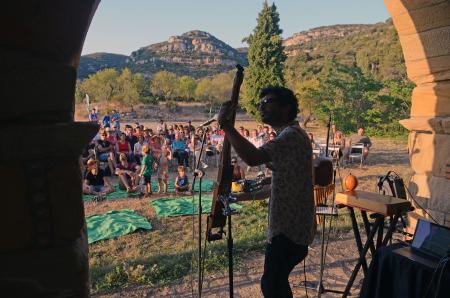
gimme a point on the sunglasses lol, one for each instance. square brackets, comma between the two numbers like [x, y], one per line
[266, 100]
[234, 161]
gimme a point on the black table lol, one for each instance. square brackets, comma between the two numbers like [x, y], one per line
[393, 275]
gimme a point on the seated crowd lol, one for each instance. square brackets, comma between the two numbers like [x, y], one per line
[138, 153]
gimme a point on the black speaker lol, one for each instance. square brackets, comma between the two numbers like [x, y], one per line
[322, 171]
[391, 185]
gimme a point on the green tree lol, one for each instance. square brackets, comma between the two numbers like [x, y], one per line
[203, 89]
[128, 88]
[186, 87]
[101, 86]
[350, 96]
[164, 84]
[215, 90]
[265, 57]
[307, 96]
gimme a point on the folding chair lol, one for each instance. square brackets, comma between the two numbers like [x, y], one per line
[356, 152]
[321, 193]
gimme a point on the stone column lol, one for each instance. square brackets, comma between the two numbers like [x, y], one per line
[43, 246]
[424, 30]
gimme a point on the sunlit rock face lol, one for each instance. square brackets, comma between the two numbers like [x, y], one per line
[195, 53]
[424, 32]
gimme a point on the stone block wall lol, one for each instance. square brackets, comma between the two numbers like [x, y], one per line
[43, 251]
[424, 31]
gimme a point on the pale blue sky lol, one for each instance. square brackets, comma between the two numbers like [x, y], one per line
[122, 26]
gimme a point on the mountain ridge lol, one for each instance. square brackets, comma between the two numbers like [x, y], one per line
[198, 53]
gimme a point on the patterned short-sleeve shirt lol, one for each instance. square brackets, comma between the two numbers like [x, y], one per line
[291, 205]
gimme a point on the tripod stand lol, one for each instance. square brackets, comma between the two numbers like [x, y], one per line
[200, 261]
[323, 211]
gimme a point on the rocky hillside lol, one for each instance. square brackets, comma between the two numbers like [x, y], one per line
[195, 53]
[198, 53]
[321, 33]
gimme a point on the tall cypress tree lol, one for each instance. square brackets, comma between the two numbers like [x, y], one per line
[265, 57]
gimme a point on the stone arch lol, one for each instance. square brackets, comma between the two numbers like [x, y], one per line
[44, 249]
[424, 31]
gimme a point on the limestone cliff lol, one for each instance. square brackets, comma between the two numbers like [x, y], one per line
[195, 53]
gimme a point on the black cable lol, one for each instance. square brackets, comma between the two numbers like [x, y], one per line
[415, 201]
[304, 274]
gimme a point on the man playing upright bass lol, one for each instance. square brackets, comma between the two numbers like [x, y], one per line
[291, 206]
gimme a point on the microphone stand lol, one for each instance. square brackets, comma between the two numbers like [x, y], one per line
[199, 173]
[319, 287]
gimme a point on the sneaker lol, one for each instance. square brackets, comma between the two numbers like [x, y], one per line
[205, 166]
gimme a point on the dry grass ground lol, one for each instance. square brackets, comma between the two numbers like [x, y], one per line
[157, 263]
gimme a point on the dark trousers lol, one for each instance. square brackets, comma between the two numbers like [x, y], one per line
[281, 257]
[182, 157]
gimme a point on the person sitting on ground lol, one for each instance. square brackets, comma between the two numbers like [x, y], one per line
[111, 136]
[105, 151]
[128, 174]
[137, 150]
[163, 168]
[238, 171]
[87, 154]
[362, 139]
[181, 181]
[179, 150]
[147, 166]
[130, 137]
[122, 146]
[95, 182]
[138, 131]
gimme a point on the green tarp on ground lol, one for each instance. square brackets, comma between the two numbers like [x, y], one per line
[114, 224]
[165, 207]
[207, 186]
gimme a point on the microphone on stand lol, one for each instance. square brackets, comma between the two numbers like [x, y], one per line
[214, 118]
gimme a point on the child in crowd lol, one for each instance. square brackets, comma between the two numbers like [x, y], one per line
[95, 182]
[147, 166]
[163, 168]
[181, 181]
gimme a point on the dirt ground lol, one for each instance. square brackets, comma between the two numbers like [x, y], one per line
[385, 155]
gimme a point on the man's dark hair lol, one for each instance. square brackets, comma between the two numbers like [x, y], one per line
[284, 96]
